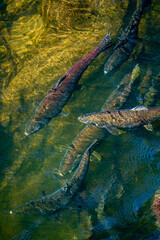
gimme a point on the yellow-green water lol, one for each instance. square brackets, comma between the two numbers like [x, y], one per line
[40, 41]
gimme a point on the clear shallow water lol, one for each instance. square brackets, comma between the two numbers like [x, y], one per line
[38, 47]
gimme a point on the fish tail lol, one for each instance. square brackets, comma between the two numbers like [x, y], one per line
[135, 73]
[106, 42]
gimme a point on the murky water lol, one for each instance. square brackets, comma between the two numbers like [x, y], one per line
[39, 42]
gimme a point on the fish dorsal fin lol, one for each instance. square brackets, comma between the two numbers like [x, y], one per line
[59, 82]
[139, 107]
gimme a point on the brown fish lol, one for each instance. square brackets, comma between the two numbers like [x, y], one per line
[90, 133]
[127, 41]
[51, 106]
[127, 118]
[58, 200]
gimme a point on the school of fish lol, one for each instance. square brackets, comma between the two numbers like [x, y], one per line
[110, 119]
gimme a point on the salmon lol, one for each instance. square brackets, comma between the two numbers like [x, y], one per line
[127, 118]
[58, 200]
[127, 42]
[89, 133]
[51, 106]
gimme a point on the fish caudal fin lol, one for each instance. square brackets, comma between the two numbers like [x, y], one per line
[135, 73]
[106, 42]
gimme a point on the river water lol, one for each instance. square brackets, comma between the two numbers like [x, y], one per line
[40, 41]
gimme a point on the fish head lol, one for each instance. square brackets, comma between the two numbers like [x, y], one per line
[112, 63]
[34, 125]
[90, 119]
[108, 68]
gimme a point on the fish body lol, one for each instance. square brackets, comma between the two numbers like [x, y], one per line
[89, 133]
[126, 118]
[78, 147]
[120, 94]
[127, 42]
[50, 204]
[61, 92]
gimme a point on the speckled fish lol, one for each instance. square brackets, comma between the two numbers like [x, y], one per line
[127, 118]
[50, 204]
[127, 42]
[61, 92]
[120, 94]
[90, 133]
